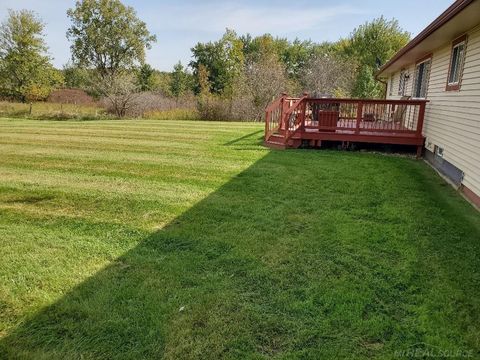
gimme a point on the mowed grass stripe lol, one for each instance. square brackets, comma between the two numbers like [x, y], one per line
[136, 125]
[110, 143]
[219, 162]
[148, 218]
[100, 184]
[123, 173]
[174, 132]
[108, 134]
[196, 174]
[151, 133]
[75, 251]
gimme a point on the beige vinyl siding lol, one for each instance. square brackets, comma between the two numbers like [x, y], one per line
[452, 118]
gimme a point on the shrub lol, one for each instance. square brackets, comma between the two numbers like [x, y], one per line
[145, 104]
[54, 111]
[173, 114]
[71, 96]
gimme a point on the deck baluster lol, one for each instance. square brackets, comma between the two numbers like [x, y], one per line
[359, 117]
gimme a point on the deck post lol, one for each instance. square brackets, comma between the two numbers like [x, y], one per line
[267, 123]
[421, 115]
[282, 113]
[283, 121]
[304, 112]
[419, 151]
[359, 117]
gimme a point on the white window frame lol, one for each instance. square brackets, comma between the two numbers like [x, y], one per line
[438, 150]
[458, 64]
[425, 77]
[457, 61]
[402, 82]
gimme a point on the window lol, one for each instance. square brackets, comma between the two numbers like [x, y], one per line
[402, 82]
[390, 86]
[438, 151]
[457, 58]
[422, 70]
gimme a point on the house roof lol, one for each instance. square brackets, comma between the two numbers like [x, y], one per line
[460, 17]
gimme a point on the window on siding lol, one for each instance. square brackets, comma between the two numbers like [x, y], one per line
[422, 71]
[438, 151]
[457, 58]
[402, 82]
[390, 86]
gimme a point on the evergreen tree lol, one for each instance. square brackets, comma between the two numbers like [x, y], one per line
[179, 81]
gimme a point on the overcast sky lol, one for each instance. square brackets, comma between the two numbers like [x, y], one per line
[179, 25]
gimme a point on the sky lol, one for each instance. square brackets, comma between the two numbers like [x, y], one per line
[179, 25]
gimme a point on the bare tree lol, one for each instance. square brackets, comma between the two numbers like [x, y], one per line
[262, 79]
[120, 92]
[329, 74]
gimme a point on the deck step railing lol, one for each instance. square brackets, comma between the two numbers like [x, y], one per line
[274, 116]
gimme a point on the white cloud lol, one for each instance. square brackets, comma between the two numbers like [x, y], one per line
[254, 19]
[180, 24]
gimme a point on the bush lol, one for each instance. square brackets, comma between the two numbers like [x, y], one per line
[146, 104]
[71, 96]
[213, 107]
[173, 114]
[262, 79]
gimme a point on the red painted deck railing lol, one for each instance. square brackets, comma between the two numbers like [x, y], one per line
[354, 118]
[275, 113]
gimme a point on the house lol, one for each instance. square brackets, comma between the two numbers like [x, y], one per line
[442, 65]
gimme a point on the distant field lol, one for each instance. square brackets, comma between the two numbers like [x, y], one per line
[57, 111]
[185, 239]
[42, 110]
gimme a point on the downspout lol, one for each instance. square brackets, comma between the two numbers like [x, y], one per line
[384, 83]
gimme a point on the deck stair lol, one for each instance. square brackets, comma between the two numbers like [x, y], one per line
[276, 141]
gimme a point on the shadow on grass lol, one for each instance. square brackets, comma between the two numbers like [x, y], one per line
[304, 254]
[245, 137]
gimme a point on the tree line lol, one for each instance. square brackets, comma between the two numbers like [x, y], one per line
[233, 77]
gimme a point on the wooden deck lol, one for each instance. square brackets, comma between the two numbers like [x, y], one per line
[289, 122]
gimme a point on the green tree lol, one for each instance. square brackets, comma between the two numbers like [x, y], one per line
[76, 77]
[296, 56]
[372, 44]
[257, 47]
[223, 60]
[26, 73]
[377, 41]
[203, 81]
[108, 36]
[146, 78]
[179, 80]
[163, 80]
[366, 86]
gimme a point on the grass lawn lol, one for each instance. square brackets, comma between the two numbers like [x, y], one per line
[186, 240]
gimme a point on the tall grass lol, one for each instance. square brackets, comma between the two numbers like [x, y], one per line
[45, 110]
[56, 111]
[173, 114]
